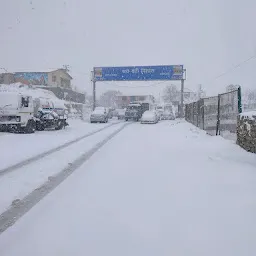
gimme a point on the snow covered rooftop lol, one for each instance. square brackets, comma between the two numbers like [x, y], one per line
[135, 104]
[31, 91]
[134, 94]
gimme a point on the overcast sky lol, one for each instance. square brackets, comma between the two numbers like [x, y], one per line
[208, 36]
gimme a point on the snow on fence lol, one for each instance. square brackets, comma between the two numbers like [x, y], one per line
[216, 115]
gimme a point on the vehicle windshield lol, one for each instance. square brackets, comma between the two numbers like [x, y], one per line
[127, 128]
[98, 111]
[133, 108]
[148, 113]
[8, 100]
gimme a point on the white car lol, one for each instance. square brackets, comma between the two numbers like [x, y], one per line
[167, 115]
[149, 117]
[159, 113]
[99, 115]
[120, 113]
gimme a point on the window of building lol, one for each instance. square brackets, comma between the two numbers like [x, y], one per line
[65, 83]
[54, 79]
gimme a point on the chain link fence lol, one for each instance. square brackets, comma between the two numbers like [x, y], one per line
[216, 115]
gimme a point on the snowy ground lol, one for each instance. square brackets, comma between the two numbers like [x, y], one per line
[17, 184]
[165, 189]
[19, 147]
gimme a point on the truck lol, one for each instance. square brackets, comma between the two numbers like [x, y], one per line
[22, 114]
[16, 112]
[135, 111]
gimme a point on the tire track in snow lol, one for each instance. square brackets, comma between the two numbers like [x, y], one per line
[21, 207]
[51, 151]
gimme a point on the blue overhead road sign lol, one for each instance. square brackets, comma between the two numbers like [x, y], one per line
[140, 73]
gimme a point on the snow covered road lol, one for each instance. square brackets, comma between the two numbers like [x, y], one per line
[16, 185]
[16, 148]
[165, 189]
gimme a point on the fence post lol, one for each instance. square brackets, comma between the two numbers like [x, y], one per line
[239, 95]
[197, 113]
[218, 117]
[203, 114]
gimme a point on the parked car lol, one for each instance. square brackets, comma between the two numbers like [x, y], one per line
[149, 117]
[120, 113]
[112, 113]
[167, 115]
[99, 115]
[159, 114]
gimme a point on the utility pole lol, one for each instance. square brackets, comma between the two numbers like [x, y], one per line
[199, 92]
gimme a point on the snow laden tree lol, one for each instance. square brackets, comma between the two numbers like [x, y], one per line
[249, 99]
[232, 87]
[170, 94]
[109, 98]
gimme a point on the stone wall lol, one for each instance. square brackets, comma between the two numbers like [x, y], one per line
[246, 131]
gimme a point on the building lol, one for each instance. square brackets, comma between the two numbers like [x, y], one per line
[56, 78]
[124, 101]
[7, 78]
[58, 81]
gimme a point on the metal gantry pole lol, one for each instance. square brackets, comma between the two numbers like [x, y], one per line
[93, 91]
[182, 99]
[94, 94]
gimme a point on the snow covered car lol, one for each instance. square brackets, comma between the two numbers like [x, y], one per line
[99, 115]
[159, 111]
[149, 117]
[167, 115]
[121, 113]
[159, 114]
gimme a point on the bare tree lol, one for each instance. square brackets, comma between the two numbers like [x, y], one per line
[252, 96]
[109, 98]
[171, 94]
[232, 87]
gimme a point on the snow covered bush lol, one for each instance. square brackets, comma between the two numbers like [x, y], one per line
[246, 131]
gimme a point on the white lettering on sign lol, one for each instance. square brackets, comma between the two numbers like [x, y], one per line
[108, 75]
[135, 70]
[126, 71]
[147, 71]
